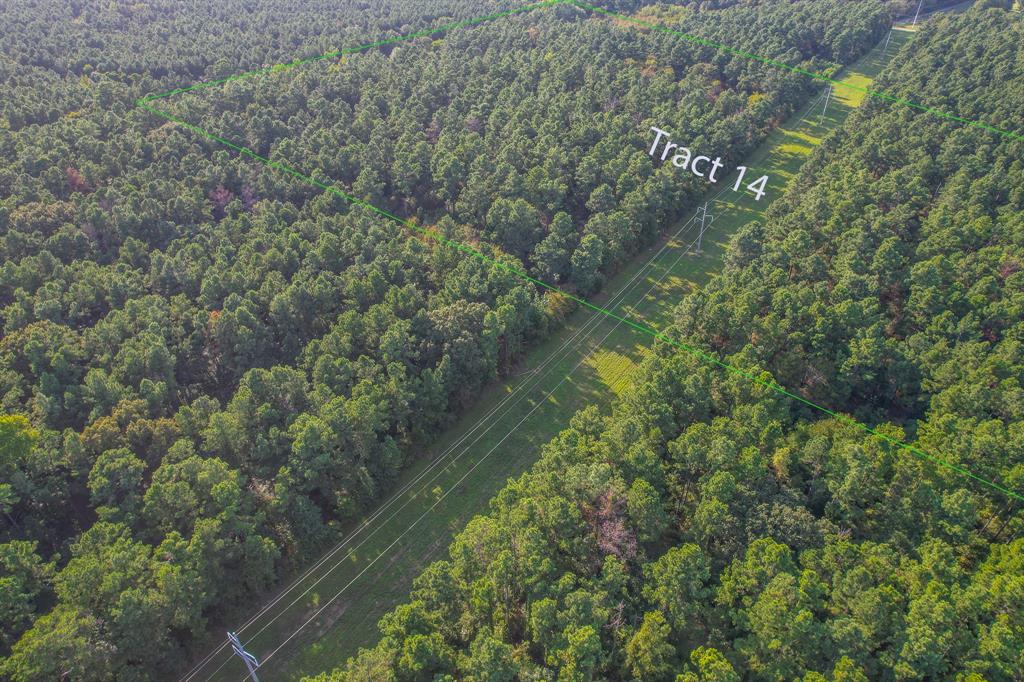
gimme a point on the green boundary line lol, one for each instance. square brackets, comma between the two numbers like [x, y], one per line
[470, 251]
[597, 10]
[803, 72]
[352, 50]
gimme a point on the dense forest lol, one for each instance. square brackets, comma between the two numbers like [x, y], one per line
[712, 529]
[208, 368]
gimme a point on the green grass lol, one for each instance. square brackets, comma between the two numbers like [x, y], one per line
[588, 362]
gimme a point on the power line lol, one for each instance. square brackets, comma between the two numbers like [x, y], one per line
[794, 69]
[432, 233]
[594, 346]
[918, 13]
[648, 330]
[143, 102]
[705, 223]
[621, 294]
[824, 109]
[550, 360]
[250, 661]
[456, 484]
[682, 253]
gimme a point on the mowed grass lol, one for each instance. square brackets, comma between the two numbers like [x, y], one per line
[588, 362]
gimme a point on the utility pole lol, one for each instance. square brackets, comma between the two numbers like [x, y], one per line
[918, 13]
[250, 661]
[825, 108]
[885, 48]
[705, 223]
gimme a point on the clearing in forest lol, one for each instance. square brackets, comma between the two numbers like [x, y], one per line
[588, 362]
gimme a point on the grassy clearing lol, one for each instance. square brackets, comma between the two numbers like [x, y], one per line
[588, 362]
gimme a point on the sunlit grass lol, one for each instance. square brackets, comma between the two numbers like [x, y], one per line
[612, 368]
[559, 377]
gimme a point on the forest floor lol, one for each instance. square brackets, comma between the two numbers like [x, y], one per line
[588, 362]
